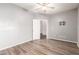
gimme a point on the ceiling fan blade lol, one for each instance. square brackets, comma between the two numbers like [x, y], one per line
[50, 7]
[37, 8]
[45, 5]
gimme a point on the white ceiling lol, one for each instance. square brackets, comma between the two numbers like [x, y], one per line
[58, 7]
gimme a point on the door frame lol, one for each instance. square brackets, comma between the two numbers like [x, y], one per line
[46, 27]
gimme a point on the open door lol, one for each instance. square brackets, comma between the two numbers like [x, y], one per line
[44, 29]
[36, 29]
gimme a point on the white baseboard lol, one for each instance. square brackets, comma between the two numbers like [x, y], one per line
[63, 40]
[68, 41]
[14, 45]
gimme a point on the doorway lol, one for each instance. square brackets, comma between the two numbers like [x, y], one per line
[40, 29]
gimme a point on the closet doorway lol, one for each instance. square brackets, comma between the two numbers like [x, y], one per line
[40, 29]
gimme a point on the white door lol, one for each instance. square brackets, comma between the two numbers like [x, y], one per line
[36, 29]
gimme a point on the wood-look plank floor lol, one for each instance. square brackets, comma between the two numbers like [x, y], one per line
[43, 47]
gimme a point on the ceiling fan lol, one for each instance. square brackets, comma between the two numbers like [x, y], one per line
[44, 7]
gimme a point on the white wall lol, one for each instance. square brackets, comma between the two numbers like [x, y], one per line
[15, 25]
[67, 32]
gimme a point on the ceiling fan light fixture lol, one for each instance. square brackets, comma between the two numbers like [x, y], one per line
[44, 8]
